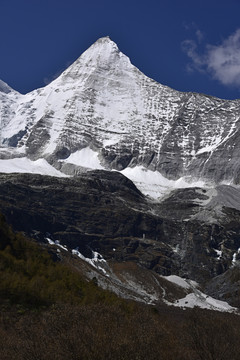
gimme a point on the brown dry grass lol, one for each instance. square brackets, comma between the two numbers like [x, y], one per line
[123, 331]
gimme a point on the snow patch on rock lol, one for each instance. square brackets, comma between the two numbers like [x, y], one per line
[85, 157]
[25, 165]
[195, 297]
[154, 184]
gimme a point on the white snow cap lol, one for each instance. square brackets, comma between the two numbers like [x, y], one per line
[104, 54]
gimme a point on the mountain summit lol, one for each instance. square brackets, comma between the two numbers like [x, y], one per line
[103, 56]
[103, 108]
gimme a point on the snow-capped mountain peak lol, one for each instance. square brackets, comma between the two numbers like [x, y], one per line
[103, 51]
[103, 113]
[103, 57]
[104, 103]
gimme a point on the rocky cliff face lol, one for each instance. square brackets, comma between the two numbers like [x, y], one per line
[103, 102]
[103, 212]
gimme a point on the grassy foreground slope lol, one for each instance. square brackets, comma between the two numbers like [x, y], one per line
[30, 277]
[48, 311]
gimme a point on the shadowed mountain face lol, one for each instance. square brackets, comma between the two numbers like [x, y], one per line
[104, 212]
[103, 102]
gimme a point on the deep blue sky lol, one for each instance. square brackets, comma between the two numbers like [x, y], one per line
[188, 45]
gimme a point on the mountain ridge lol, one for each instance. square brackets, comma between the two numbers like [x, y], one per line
[105, 103]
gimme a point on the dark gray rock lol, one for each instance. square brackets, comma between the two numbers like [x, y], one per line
[105, 212]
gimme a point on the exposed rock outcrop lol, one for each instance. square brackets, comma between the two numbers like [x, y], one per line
[104, 212]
